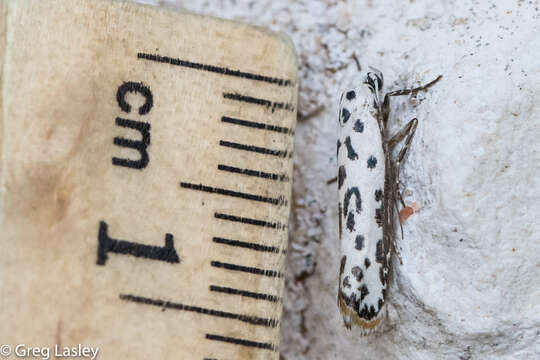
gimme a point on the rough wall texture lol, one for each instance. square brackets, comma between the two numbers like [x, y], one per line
[469, 284]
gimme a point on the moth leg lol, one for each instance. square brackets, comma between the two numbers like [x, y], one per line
[386, 103]
[400, 197]
[413, 90]
[406, 131]
[398, 254]
[394, 243]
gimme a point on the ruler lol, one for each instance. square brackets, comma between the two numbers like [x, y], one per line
[145, 180]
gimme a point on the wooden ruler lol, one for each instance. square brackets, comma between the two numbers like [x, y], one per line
[145, 180]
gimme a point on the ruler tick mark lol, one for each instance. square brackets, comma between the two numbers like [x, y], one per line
[249, 172]
[254, 320]
[269, 104]
[200, 187]
[242, 342]
[245, 293]
[253, 148]
[274, 225]
[246, 245]
[257, 125]
[247, 269]
[214, 69]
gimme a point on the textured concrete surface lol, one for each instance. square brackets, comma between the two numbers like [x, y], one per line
[468, 287]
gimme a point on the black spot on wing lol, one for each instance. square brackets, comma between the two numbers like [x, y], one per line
[359, 242]
[339, 223]
[358, 126]
[380, 303]
[345, 115]
[350, 192]
[367, 262]
[379, 252]
[359, 307]
[357, 273]
[338, 146]
[379, 216]
[372, 162]
[366, 313]
[346, 282]
[350, 222]
[378, 195]
[342, 175]
[342, 265]
[350, 95]
[351, 154]
[347, 299]
[363, 292]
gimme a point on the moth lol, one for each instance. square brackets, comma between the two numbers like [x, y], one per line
[368, 187]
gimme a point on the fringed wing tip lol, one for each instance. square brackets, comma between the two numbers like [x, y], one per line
[351, 319]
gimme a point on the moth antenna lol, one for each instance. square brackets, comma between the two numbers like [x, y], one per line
[355, 58]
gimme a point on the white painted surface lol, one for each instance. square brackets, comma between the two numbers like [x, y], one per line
[469, 287]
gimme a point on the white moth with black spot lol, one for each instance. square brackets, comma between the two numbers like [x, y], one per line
[368, 193]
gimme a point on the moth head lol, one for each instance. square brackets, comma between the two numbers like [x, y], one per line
[374, 79]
